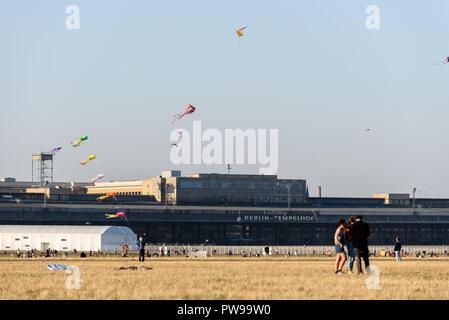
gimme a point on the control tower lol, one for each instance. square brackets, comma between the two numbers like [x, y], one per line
[42, 168]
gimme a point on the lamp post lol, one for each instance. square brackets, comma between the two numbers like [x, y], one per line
[413, 204]
[45, 194]
[166, 195]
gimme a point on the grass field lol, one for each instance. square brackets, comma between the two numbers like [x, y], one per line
[221, 278]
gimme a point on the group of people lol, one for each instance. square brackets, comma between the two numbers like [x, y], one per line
[33, 253]
[354, 235]
[422, 254]
[141, 243]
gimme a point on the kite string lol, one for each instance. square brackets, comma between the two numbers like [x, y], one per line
[126, 219]
[119, 207]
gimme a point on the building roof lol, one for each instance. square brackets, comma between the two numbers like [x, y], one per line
[65, 229]
[31, 184]
[115, 184]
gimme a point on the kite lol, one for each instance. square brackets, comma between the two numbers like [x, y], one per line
[76, 143]
[240, 32]
[442, 62]
[84, 162]
[118, 214]
[54, 150]
[368, 130]
[180, 138]
[108, 195]
[92, 181]
[56, 267]
[190, 109]
[239, 219]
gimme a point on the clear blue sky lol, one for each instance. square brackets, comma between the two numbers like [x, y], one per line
[308, 68]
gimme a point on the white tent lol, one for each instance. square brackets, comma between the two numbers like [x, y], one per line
[65, 238]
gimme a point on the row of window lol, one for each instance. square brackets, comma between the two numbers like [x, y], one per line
[18, 239]
[137, 193]
[239, 185]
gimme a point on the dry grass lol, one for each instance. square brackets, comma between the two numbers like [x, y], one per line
[221, 278]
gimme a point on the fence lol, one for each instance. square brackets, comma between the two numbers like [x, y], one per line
[283, 250]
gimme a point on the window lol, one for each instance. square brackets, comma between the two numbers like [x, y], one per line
[17, 239]
[191, 184]
[25, 237]
[63, 239]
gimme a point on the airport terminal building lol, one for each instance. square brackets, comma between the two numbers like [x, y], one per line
[211, 188]
[231, 209]
[225, 189]
[228, 225]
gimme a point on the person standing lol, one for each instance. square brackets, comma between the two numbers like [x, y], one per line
[397, 249]
[141, 246]
[349, 245]
[339, 247]
[360, 234]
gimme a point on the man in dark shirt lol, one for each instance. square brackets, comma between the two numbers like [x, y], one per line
[397, 249]
[141, 247]
[360, 234]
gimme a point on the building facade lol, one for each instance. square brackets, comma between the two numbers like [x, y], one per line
[241, 225]
[212, 188]
[133, 187]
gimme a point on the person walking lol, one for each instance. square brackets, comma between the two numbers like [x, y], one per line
[141, 246]
[339, 247]
[360, 233]
[349, 245]
[397, 249]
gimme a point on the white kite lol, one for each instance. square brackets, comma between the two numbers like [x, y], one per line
[98, 177]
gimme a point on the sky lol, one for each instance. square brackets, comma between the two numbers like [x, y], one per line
[311, 69]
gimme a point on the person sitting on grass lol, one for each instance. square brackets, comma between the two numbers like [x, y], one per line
[339, 247]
